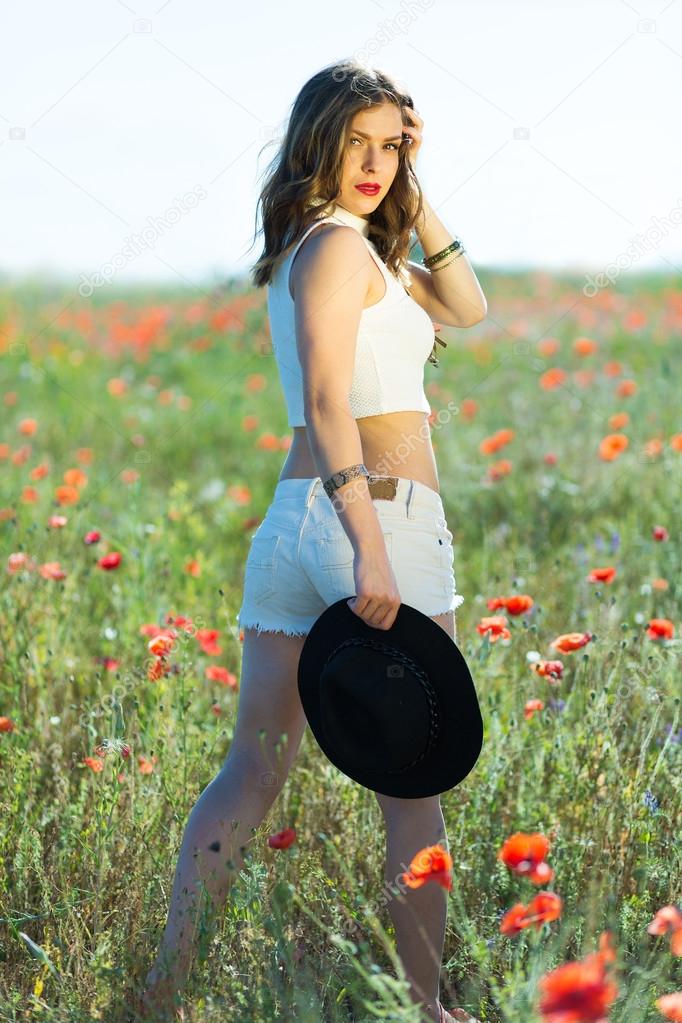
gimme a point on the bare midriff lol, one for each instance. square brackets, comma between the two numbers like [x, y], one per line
[393, 444]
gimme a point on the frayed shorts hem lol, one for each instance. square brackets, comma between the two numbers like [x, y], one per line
[293, 630]
[285, 629]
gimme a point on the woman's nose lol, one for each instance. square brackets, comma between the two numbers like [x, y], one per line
[372, 160]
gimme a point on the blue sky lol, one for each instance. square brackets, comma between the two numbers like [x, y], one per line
[550, 134]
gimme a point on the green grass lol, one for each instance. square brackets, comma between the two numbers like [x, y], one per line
[86, 860]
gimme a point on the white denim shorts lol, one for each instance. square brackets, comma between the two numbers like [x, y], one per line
[300, 560]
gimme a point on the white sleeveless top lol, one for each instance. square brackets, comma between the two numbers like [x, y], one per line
[395, 338]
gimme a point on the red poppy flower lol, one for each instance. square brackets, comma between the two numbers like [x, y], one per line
[514, 920]
[207, 641]
[216, 673]
[548, 669]
[109, 561]
[531, 707]
[579, 992]
[432, 863]
[569, 641]
[495, 627]
[660, 628]
[525, 855]
[602, 575]
[671, 1006]
[282, 839]
[517, 604]
[668, 919]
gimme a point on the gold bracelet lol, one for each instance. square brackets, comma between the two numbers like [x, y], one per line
[442, 267]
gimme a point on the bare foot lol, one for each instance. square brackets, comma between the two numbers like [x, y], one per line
[156, 1004]
[458, 1015]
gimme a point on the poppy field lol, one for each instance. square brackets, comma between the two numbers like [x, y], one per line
[143, 432]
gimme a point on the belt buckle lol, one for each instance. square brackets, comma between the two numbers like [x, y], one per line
[383, 487]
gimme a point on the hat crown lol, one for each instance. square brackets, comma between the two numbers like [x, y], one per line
[379, 706]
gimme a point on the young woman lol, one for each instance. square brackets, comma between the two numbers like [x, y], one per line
[357, 508]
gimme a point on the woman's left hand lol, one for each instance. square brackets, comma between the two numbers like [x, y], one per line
[415, 133]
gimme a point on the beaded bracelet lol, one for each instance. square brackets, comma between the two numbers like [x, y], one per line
[461, 251]
[428, 261]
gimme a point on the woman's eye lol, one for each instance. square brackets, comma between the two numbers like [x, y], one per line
[392, 144]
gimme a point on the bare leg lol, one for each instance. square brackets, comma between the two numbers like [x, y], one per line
[412, 824]
[268, 732]
[217, 832]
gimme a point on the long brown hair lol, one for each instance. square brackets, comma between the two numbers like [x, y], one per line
[304, 178]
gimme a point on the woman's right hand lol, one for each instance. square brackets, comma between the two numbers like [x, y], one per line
[376, 599]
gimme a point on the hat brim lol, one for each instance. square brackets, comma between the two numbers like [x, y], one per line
[460, 735]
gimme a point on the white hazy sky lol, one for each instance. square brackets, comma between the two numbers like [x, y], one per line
[549, 135]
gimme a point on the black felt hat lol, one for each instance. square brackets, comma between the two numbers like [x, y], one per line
[396, 710]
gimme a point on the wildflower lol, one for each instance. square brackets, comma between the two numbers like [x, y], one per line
[489, 445]
[146, 764]
[612, 445]
[660, 628]
[66, 494]
[543, 908]
[432, 863]
[530, 708]
[161, 645]
[584, 346]
[52, 570]
[580, 991]
[108, 746]
[75, 478]
[207, 641]
[499, 469]
[525, 854]
[109, 561]
[18, 561]
[552, 378]
[517, 604]
[216, 673]
[650, 801]
[668, 919]
[282, 839]
[495, 627]
[548, 669]
[602, 575]
[571, 641]
[671, 1006]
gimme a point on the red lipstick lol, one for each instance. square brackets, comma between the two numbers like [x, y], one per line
[369, 188]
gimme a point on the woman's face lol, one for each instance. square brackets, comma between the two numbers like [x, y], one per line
[372, 143]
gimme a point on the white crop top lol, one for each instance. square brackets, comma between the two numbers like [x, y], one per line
[395, 338]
